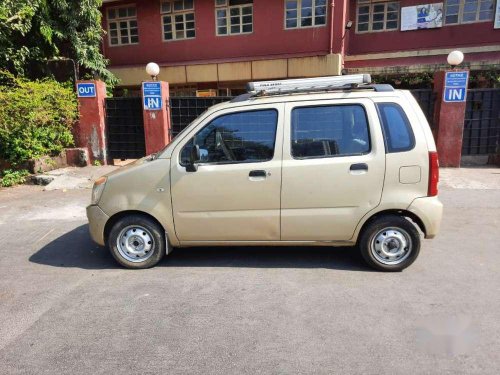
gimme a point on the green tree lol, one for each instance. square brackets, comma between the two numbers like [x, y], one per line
[35, 31]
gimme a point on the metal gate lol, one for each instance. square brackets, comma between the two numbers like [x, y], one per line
[426, 98]
[482, 122]
[125, 128]
[186, 109]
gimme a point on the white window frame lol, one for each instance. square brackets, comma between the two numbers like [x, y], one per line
[224, 5]
[371, 4]
[299, 15]
[172, 14]
[118, 20]
[460, 14]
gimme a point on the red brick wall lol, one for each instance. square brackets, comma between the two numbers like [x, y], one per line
[474, 34]
[269, 37]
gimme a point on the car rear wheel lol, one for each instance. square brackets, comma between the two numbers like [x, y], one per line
[137, 241]
[390, 243]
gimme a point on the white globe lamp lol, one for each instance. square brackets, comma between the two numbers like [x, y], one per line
[152, 69]
[455, 58]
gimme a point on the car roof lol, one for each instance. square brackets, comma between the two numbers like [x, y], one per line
[244, 100]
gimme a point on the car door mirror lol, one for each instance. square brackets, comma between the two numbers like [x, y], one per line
[194, 157]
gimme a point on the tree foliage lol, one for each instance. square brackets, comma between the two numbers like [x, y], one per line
[35, 31]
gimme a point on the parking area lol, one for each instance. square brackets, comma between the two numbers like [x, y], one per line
[67, 308]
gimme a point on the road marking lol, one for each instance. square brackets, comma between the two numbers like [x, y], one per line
[45, 235]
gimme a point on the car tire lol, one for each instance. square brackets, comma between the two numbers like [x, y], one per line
[389, 243]
[137, 242]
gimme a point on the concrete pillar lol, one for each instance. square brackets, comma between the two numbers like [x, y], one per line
[449, 120]
[90, 132]
[157, 126]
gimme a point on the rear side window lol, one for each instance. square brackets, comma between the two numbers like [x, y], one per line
[327, 131]
[397, 130]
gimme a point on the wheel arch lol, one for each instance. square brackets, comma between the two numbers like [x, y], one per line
[114, 218]
[398, 212]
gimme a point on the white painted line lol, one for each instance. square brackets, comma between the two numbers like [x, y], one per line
[45, 235]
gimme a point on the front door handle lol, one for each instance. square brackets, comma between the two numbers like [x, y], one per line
[257, 173]
[359, 167]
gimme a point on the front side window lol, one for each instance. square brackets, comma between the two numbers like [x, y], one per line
[234, 16]
[122, 26]
[397, 130]
[467, 11]
[327, 131]
[242, 137]
[305, 13]
[178, 19]
[377, 16]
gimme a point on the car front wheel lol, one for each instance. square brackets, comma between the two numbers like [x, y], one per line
[137, 241]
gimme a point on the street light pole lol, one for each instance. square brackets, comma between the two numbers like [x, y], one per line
[75, 75]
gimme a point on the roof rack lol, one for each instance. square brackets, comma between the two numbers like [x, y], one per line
[309, 85]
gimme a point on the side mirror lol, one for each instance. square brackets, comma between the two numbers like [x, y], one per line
[194, 157]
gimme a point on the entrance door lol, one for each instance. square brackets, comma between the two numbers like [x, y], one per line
[234, 195]
[333, 168]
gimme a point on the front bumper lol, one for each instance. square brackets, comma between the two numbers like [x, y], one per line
[97, 221]
[430, 211]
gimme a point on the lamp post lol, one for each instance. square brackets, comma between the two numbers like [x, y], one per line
[62, 58]
[152, 69]
[455, 58]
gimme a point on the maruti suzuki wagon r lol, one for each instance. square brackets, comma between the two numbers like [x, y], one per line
[331, 161]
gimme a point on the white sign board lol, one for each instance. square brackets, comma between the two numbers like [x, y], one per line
[424, 16]
[497, 16]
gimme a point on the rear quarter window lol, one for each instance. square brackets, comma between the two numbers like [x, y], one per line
[397, 129]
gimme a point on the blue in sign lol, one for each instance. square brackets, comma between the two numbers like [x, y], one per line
[85, 90]
[151, 93]
[455, 86]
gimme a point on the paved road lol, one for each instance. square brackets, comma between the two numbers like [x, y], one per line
[66, 308]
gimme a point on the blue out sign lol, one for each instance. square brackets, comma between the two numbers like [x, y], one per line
[151, 96]
[85, 90]
[455, 86]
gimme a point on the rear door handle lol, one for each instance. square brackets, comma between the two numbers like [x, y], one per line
[257, 173]
[359, 167]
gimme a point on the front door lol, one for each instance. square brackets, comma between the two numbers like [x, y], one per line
[234, 195]
[333, 168]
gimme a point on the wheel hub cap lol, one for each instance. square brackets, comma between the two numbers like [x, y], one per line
[391, 245]
[135, 244]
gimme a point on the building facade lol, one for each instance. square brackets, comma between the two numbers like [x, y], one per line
[222, 44]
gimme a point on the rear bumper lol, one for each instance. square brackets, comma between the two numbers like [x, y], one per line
[97, 221]
[430, 211]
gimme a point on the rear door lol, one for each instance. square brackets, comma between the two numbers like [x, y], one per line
[333, 168]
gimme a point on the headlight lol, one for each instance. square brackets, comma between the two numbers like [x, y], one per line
[98, 189]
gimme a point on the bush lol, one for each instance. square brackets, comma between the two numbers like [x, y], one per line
[11, 178]
[36, 118]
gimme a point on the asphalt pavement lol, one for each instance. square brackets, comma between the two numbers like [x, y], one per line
[67, 308]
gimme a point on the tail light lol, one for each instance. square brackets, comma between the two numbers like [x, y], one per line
[432, 190]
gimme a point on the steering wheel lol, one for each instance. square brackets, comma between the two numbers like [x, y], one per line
[228, 153]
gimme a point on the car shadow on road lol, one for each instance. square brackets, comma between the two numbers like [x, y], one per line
[76, 249]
